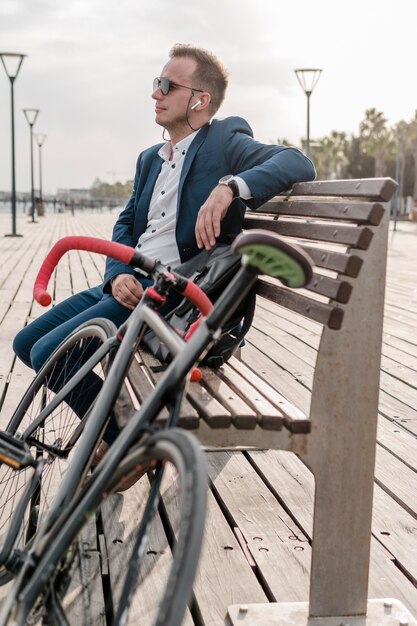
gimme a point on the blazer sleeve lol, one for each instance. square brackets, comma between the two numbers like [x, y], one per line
[267, 169]
[123, 233]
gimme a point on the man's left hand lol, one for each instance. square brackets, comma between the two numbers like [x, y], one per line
[210, 216]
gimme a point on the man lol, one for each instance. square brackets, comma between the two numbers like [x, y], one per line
[188, 192]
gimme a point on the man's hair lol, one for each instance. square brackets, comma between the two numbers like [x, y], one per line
[210, 75]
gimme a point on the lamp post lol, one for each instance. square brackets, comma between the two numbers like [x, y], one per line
[308, 78]
[31, 115]
[11, 63]
[40, 140]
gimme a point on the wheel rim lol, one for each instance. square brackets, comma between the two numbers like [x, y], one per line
[52, 442]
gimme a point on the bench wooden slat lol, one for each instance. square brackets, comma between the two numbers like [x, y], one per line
[268, 416]
[188, 418]
[360, 212]
[377, 189]
[142, 386]
[343, 263]
[210, 409]
[354, 236]
[332, 288]
[202, 402]
[243, 415]
[326, 314]
[294, 419]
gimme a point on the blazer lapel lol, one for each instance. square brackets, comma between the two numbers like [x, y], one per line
[153, 173]
[189, 158]
[145, 195]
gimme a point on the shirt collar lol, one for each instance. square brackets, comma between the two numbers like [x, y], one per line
[181, 147]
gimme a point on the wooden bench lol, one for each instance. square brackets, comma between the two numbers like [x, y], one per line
[343, 225]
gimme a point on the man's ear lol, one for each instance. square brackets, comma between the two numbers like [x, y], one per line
[203, 101]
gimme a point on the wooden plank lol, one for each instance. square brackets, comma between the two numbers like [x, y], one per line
[188, 417]
[326, 314]
[379, 189]
[360, 212]
[397, 480]
[209, 408]
[302, 324]
[398, 441]
[396, 529]
[293, 484]
[271, 536]
[268, 417]
[295, 393]
[355, 236]
[344, 263]
[301, 342]
[84, 600]
[243, 415]
[224, 575]
[295, 420]
[333, 288]
[394, 354]
[121, 518]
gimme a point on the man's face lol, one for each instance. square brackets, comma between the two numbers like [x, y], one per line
[170, 110]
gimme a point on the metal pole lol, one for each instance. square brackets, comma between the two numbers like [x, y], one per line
[40, 139]
[308, 77]
[308, 94]
[31, 173]
[13, 234]
[31, 115]
[12, 73]
[40, 174]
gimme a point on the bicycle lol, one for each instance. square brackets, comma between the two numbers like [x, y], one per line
[43, 561]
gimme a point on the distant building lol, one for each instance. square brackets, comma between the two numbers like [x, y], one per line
[73, 194]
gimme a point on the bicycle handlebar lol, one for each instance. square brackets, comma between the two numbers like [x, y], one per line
[121, 252]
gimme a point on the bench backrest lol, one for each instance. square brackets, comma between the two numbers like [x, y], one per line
[332, 220]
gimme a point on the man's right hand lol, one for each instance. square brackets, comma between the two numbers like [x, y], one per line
[127, 290]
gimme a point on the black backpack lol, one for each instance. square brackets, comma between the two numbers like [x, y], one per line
[212, 270]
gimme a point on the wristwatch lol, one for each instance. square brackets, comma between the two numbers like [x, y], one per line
[230, 182]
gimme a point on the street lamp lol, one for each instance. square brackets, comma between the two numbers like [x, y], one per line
[308, 78]
[11, 63]
[40, 140]
[31, 115]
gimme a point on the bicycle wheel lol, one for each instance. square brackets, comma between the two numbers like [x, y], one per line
[52, 439]
[74, 559]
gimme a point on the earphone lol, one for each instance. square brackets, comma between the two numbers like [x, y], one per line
[196, 104]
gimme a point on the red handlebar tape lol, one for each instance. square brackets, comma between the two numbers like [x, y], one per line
[110, 248]
[198, 298]
[113, 249]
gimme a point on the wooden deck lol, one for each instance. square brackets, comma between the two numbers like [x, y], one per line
[259, 526]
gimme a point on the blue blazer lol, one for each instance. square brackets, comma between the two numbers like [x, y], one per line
[221, 147]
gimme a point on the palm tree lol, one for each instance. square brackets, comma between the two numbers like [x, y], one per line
[329, 155]
[377, 140]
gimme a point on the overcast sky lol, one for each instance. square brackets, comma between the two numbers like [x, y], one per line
[90, 67]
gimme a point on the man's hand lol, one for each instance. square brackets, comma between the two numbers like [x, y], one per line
[126, 290]
[210, 216]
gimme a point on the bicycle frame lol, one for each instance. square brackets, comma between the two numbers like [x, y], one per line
[55, 534]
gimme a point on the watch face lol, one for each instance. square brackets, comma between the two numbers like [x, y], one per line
[226, 179]
[231, 183]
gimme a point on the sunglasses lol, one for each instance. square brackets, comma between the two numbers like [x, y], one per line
[165, 85]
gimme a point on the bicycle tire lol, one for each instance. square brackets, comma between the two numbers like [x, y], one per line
[65, 558]
[59, 430]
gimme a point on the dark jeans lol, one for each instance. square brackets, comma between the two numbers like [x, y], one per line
[36, 342]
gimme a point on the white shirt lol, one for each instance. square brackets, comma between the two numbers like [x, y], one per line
[158, 240]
